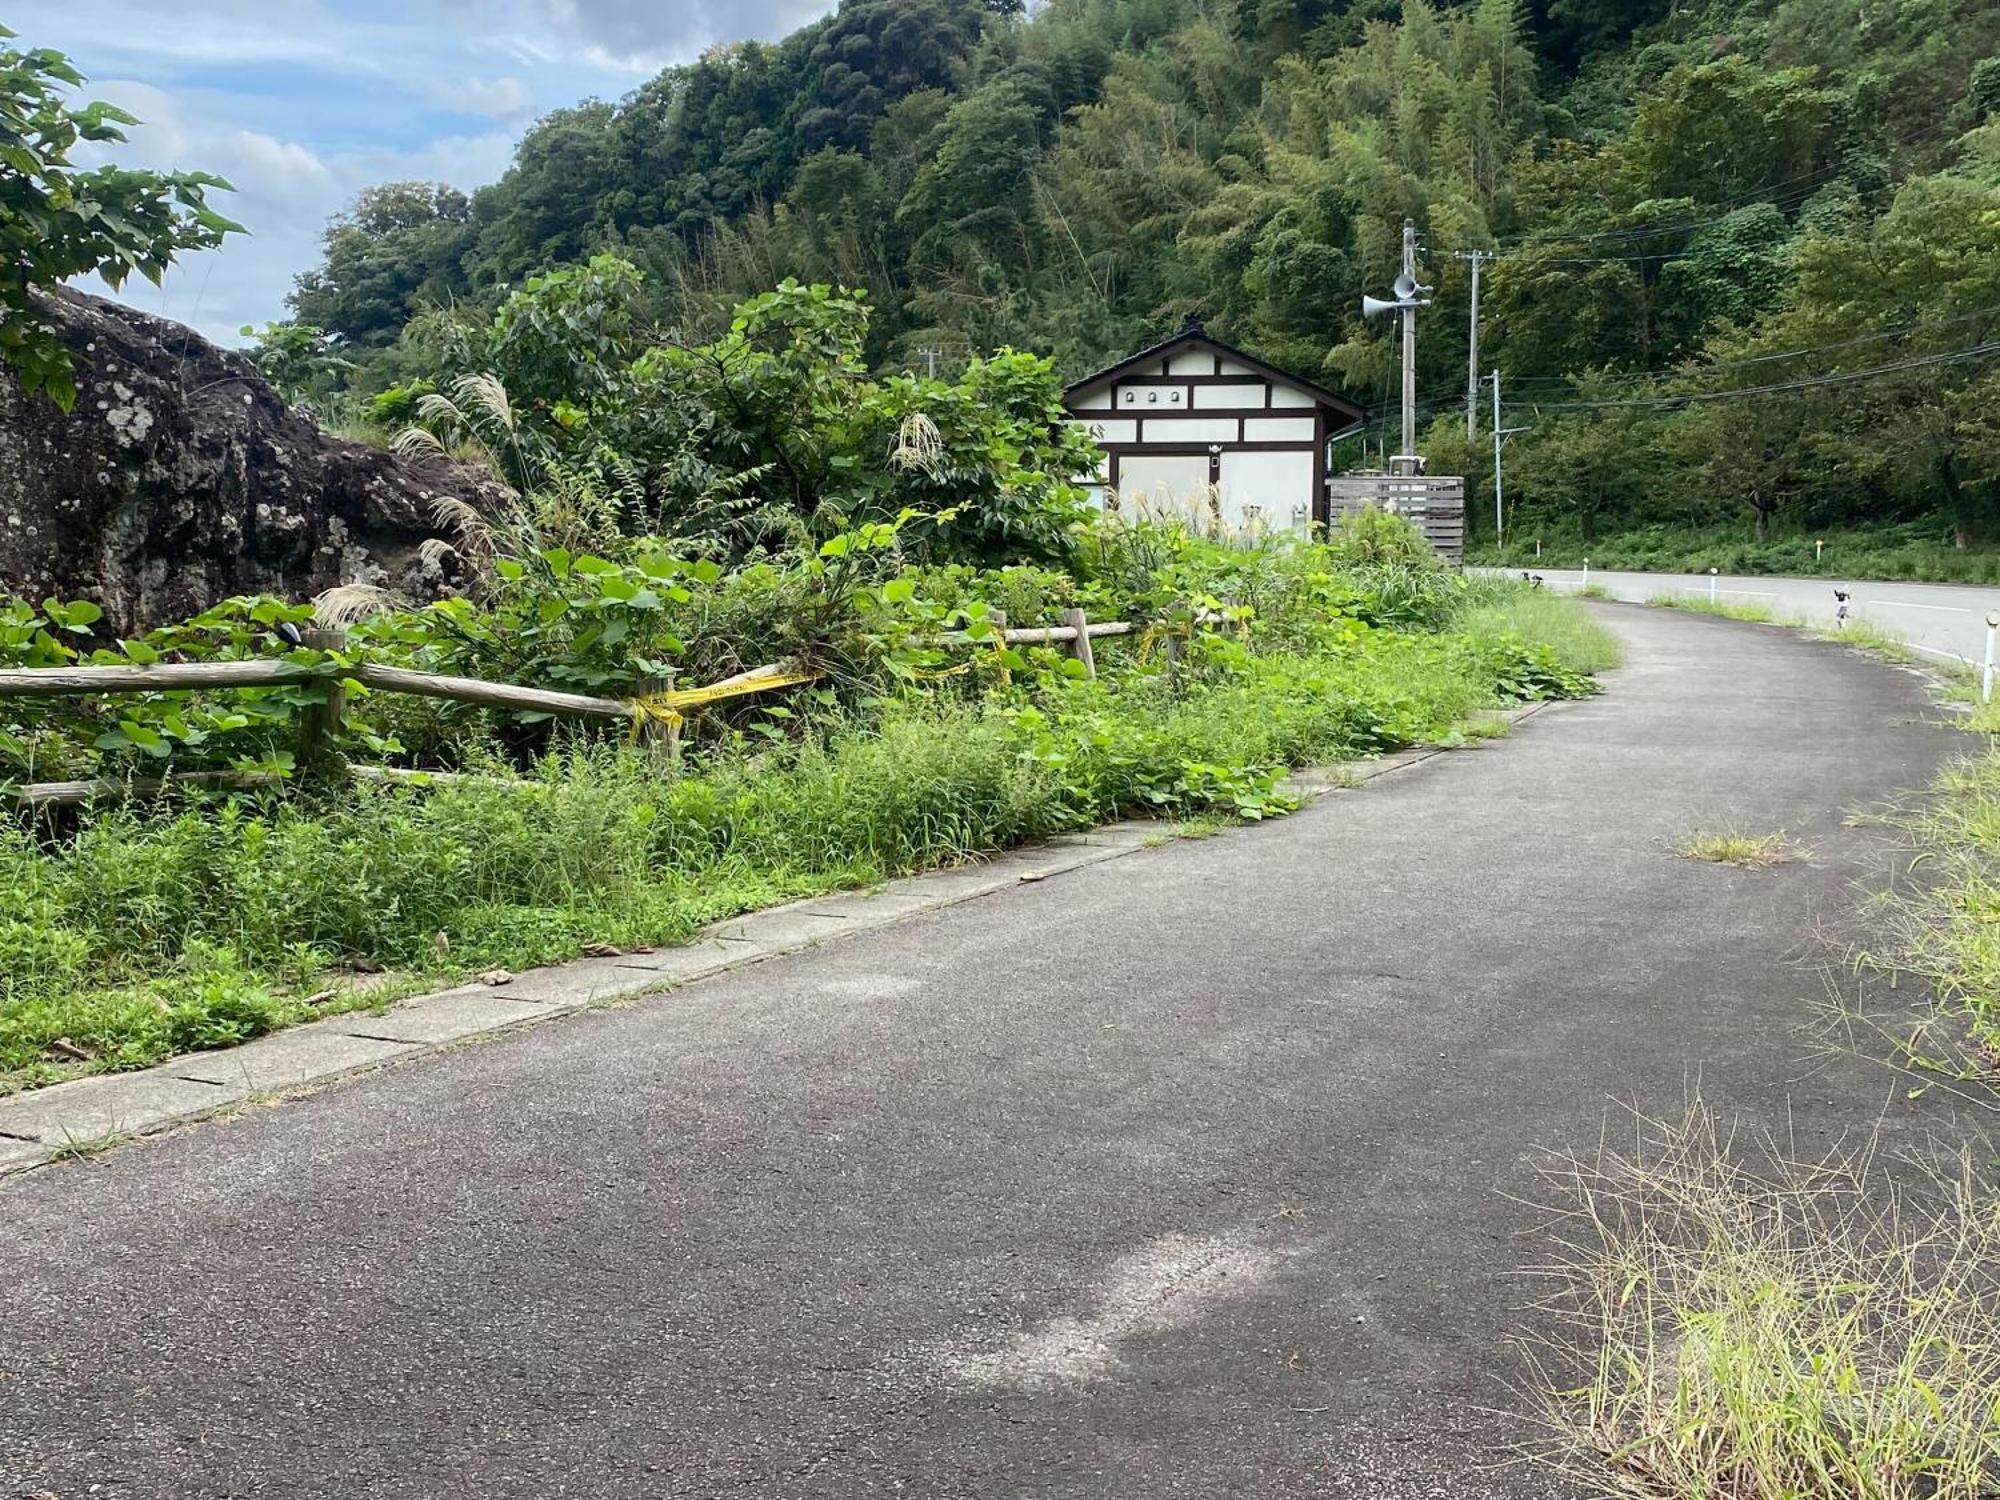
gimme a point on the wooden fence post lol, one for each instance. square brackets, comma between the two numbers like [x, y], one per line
[1080, 647]
[662, 741]
[320, 723]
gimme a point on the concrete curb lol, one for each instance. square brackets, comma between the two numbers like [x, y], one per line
[89, 1114]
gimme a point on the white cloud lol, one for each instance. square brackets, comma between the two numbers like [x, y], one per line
[303, 103]
[644, 36]
[284, 194]
[495, 98]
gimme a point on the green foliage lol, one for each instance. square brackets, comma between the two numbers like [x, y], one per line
[296, 359]
[159, 927]
[1690, 202]
[58, 221]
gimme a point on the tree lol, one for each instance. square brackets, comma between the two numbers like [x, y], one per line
[57, 222]
[296, 359]
[396, 248]
[1588, 464]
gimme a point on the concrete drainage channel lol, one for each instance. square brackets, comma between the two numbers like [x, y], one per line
[69, 1119]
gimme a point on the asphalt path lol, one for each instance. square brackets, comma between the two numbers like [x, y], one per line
[1942, 620]
[1207, 1171]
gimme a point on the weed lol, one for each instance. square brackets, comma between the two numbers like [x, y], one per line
[1749, 851]
[1728, 609]
[1919, 551]
[166, 926]
[87, 1147]
[1947, 928]
[1769, 1330]
[1578, 639]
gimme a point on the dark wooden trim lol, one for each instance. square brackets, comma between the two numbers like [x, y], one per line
[1182, 450]
[1321, 502]
[1162, 354]
[1183, 413]
[1141, 382]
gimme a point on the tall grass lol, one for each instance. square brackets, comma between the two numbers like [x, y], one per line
[1948, 927]
[1916, 551]
[1579, 640]
[156, 928]
[1739, 1326]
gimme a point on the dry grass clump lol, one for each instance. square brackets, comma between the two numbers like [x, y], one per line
[1776, 1330]
[1749, 851]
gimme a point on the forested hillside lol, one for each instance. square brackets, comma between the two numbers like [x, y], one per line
[1749, 253]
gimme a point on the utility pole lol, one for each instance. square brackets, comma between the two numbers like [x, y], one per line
[1477, 258]
[930, 362]
[1500, 436]
[1409, 339]
[1499, 509]
[1410, 295]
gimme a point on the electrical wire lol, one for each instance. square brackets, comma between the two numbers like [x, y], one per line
[1977, 351]
[1645, 377]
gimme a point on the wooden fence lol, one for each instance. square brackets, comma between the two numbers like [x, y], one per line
[1434, 503]
[654, 715]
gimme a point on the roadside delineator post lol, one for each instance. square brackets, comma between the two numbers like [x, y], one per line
[1986, 672]
[1711, 585]
[1586, 573]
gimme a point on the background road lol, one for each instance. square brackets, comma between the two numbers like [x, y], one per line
[1196, 1173]
[1941, 619]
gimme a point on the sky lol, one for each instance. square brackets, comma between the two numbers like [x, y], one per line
[302, 103]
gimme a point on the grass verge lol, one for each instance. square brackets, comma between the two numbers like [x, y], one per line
[1770, 1329]
[1908, 552]
[173, 927]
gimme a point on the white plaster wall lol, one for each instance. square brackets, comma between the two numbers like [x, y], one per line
[1165, 482]
[1277, 486]
[1112, 430]
[1189, 430]
[1228, 395]
[1278, 429]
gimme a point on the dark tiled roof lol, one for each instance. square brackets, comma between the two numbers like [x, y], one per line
[1192, 333]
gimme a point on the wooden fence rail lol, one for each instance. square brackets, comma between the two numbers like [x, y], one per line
[319, 723]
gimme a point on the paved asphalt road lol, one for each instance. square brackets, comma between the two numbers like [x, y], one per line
[1940, 619]
[1189, 1174]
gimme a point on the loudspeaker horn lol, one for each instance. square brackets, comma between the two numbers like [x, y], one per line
[1374, 307]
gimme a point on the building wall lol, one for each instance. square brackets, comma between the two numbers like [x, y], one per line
[1193, 419]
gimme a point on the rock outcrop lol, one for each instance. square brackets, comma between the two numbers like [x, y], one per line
[181, 478]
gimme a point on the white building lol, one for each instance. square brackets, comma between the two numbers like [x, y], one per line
[1197, 427]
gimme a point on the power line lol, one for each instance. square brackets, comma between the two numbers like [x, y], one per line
[1646, 377]
[1977, 351]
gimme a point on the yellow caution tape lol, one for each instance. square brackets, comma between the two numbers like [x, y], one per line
[666, 708]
